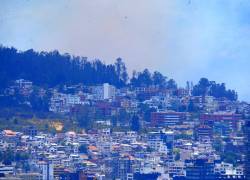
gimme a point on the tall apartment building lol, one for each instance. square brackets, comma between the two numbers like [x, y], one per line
[105, 91]
[108, 91]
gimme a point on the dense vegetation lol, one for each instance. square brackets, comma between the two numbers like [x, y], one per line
[206, 87]
[49, 69]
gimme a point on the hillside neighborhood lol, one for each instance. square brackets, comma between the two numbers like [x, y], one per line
[127, 133]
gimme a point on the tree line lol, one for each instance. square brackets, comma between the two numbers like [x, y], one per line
[49, 69]
[206, 87]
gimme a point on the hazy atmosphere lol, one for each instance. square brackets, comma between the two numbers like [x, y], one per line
[183, 39]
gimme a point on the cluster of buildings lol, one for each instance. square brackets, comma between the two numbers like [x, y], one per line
[105, 154]
[65, 103]
[182, 136]
[20, 86]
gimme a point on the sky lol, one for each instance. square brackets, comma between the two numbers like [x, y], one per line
[183, 39]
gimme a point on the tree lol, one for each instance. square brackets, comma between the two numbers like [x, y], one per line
[42, 69]
[26, 167]
[230, 157]
[114, 121]
[83, 116]
[121, 71]
[171, 84]
[202, 87]
[145, 78]
[191, 106]
[123, 116]
[206, 87]
[217, 145]
[83, 149]
[1, 156]
[135, 123]
[159, 79]
[15, 121]
[133, 80]
[21, 156]
[146, 111]
[8, 157]
[177, 156]
[141, 79]
[39, 103]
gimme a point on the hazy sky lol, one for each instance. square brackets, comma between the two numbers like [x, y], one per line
[184, 39]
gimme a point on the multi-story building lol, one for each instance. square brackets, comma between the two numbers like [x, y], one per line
[155, 142]
[123, 167]
[63, 103]
[231, 119]
[200, 169]
[31, 131]
[47, 170]
[108, 91]
[228, 171]
[6, 170]
[105, 91]
[167, 118]
[25, 87]
[204, 131]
